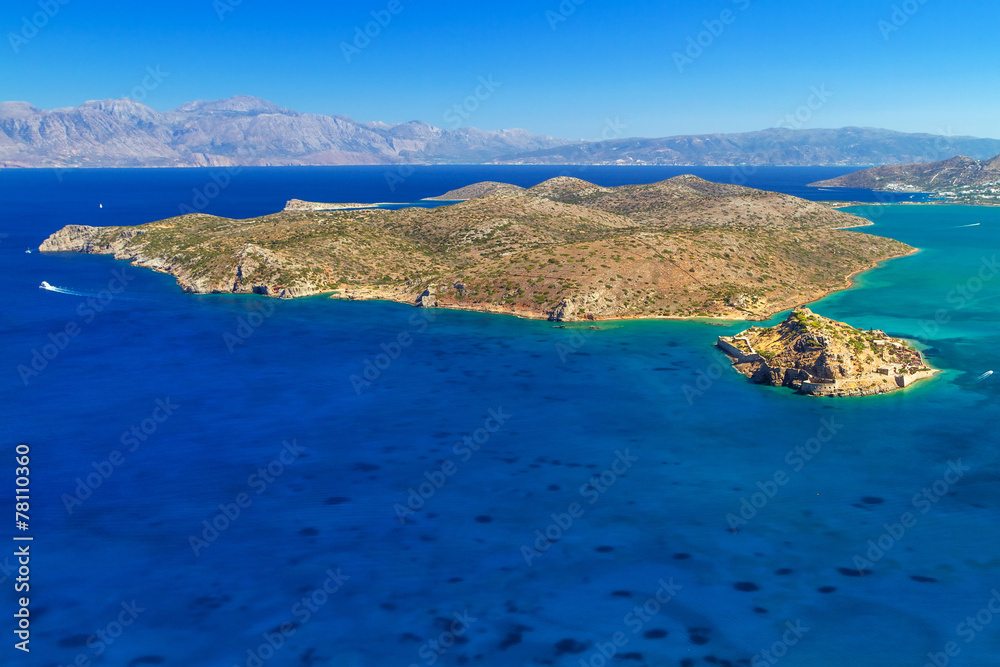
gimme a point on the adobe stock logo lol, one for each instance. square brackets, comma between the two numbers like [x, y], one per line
[462, 111]
[363, 36]
[818, 98]
[30, 26]
[698, 44]
[901, 15]
[566, 9]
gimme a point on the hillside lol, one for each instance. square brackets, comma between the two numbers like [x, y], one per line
[959, 177]
[476, 191]
[821, 357]
[564, 250]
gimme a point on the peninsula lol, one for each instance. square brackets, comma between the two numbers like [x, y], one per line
[297, 205]
[563, 250]
[960, 179]
[820, 357]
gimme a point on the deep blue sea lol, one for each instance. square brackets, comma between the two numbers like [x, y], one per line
[223, 480]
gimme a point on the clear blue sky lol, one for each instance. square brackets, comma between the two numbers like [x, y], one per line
[607, 59]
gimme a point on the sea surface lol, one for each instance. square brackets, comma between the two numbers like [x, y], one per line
[230, 480]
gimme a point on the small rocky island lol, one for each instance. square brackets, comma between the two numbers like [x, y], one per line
[820, 357]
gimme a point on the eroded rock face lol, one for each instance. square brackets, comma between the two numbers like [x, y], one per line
[597, 304]
[794, 378]
[295, 292]
[89, 240]
[428, 299]
[825, 369]
[253, 261]
[71, 238]
[565, 311]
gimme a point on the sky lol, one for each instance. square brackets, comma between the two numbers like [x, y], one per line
[574, 69]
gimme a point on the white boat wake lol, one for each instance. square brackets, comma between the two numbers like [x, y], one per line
[60, 290]
[984, 376]
[95, 295]
[975, 224]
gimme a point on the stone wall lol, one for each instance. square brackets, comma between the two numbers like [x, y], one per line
[738, 354]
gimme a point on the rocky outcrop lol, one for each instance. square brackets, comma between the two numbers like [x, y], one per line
[428, 299]
[820, 357]
[71, 238]
[90, 240]
[254, 268]
[402, 294]
[590, 306]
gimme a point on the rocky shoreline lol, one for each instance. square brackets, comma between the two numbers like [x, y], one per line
[93, 241]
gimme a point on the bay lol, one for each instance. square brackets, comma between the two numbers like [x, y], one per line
[633, 451]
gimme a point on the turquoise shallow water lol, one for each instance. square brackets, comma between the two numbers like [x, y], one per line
[630, 450]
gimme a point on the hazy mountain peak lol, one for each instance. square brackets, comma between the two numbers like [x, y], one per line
[121, 103]
[125, 109]
[17, 110]
[240, 104]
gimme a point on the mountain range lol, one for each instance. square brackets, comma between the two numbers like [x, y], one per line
[249, 131]
[849, 146]
[242, 130]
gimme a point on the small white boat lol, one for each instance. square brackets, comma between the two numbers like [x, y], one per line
[45, 285]
[28, 251]
[984, 376]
